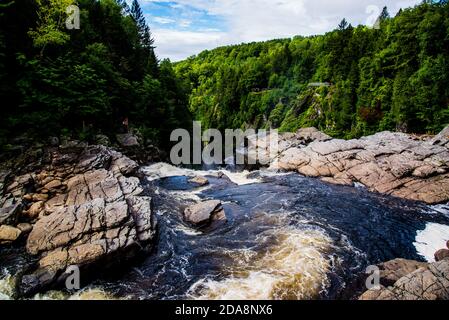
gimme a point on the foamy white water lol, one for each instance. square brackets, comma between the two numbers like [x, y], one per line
[7, 288]
[165, 170]
[295, 267]
[431, 239]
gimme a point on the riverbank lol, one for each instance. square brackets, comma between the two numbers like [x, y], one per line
[220, 232]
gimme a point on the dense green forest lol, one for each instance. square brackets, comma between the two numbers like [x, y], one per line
[353, 81]
[57, 81]
[349, 82]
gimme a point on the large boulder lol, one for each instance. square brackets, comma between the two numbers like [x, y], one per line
[9, 234]
[204, 212]
[391, 163]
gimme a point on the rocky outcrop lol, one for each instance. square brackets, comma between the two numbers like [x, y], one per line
[402, 279]
[205, 212]
[85, 206]
[430, 282]
[393, 270]
[391, 163]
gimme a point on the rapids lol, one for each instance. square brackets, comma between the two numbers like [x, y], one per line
[286, 237]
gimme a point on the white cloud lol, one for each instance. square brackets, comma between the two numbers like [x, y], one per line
[163, 20]
[178, 45]
[257, 20]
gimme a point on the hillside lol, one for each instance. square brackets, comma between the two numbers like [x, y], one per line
[350, 82]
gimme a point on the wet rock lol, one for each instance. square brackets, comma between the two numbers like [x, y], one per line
[441, 254]
[9, 215]
[200, 181]
[205, 212]
[25, 227]
[427, 283]
[389, 163]
[9, 234]
[127, 140]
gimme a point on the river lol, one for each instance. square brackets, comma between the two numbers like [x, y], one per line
[286, 237]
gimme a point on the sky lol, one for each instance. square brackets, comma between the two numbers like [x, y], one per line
[183, 28]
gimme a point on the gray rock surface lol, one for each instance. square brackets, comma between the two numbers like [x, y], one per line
[391, 163]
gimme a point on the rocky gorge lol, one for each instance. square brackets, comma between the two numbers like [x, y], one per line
[93, 207]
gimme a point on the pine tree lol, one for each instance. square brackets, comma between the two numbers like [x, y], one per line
[343, 24]
[144, 30]
[124, 5]
[384, 14]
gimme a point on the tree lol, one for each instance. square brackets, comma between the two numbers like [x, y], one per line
[384, 15]
[343, 24]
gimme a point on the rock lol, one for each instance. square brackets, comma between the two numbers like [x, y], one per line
[25, 227]
[88, 210]
[441, 254]
[53, 185]
[200, 181]
[9, 234]
[392, 271]
[389, 163]
[442, 138]
[427, 283]
[9, 215]
[127, 140]
[447, 244]
[205, 212]
[308, 135]
[35, 210]
[38, 197]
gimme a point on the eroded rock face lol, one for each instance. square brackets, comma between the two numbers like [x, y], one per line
[84, 207]
[393, 270]
[390, 163]
[427, 283]
[204, 212]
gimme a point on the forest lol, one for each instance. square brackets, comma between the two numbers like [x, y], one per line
[350, 82]
[56, 81]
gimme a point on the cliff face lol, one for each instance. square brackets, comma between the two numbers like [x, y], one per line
[82, 205]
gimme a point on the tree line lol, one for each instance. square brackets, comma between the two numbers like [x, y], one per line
[350, 82]
[56, 81]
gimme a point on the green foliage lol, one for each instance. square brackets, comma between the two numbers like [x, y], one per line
[363, 80]
[88, 80]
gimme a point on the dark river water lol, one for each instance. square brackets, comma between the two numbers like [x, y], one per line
[286, 237]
